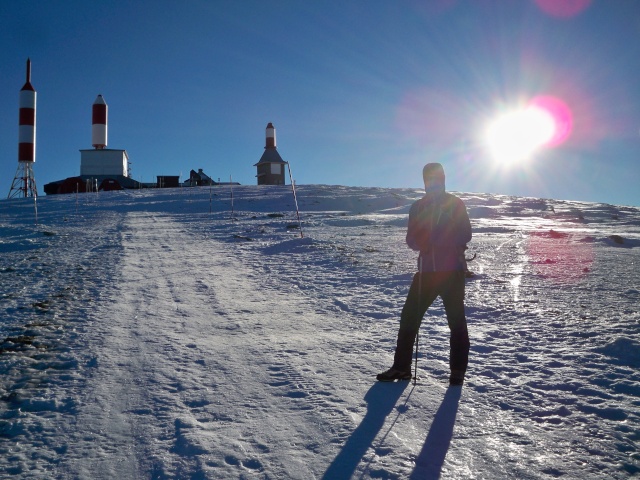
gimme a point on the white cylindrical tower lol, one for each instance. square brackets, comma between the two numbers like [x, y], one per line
[24, 183]
[271, 136]
[99, 124]
[27, 121]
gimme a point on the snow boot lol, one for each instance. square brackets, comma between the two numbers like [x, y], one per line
[401, 369]
[456, 377]
[393, 374]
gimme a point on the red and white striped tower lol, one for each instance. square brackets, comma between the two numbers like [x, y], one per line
[271, 136]
[99, 124]
[24, 184]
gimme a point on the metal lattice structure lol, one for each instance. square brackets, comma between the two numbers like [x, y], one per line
[24, 183]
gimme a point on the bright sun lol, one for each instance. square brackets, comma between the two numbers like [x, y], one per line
[513, 137]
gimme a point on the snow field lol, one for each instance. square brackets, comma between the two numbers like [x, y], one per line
[146, 337]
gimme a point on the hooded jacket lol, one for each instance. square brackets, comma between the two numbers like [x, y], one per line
[439, 229]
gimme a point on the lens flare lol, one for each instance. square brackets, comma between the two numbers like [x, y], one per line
[563, 8]
[561, 114]
[559, 257]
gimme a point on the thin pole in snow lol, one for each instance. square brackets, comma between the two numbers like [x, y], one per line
[295, 199]
[231, 186]
[35, 206]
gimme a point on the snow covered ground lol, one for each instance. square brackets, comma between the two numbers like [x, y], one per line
[158, 334]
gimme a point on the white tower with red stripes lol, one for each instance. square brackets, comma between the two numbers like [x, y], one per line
[99, 124]
[24, 183]
[102, 161]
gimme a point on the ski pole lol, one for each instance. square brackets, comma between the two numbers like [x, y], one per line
[415, 376]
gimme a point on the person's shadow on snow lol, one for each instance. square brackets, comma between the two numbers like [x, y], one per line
[381, 398]
[431, 458]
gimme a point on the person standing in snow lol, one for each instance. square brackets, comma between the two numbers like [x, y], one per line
[439, 229]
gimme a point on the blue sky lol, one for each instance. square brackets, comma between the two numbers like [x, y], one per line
[362, 93]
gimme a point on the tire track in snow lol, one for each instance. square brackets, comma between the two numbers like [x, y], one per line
[189, 323]
[133, 385]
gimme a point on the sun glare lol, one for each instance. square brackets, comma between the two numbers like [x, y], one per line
[515, 136]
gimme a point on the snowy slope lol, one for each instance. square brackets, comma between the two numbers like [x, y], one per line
[180, 334]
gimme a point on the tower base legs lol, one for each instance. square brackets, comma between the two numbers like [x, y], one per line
[24, 183]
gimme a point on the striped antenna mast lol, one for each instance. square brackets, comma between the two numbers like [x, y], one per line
[24, 183]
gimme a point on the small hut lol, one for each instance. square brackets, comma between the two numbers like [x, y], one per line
[271, 166]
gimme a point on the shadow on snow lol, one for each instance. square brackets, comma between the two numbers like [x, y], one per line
[381, 400]
[431, 458]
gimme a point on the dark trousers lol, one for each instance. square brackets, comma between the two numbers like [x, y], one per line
[425, 288]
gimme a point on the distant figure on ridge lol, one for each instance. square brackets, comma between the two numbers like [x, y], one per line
[439, 229]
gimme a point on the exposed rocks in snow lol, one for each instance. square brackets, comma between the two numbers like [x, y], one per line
[617, 239]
